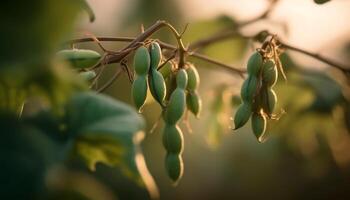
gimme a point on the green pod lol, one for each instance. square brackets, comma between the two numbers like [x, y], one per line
[156, 55]
[269, 100]
[166, 70]
[173, 139]
[142, 61]
[170, 83]
[157, 86]
[193, 77]
[139, 91]
[242, 115]
[255, 63]
[174, 166]
[176, 107]
[181, 79]
[80, 58]
[258, 125]
[249, 89]
[194, 103]
[269, 73]
[88, 75]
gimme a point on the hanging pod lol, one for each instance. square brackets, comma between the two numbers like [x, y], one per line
[172, 139]
[193, 77]
[249, 89]
[142, 61]
[194, 103]
[269, 73]
[139, 91]
[242, 115]
[156, 55]
[80, 58]
[174, 166]
[255, 63]
[258, 125]
[157, 86]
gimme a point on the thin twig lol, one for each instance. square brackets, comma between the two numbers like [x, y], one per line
[330, 62]
[110, 81]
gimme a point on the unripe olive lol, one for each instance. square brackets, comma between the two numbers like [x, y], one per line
[176, 107]
[166, 70]
[242, 115]
[269, 73]
[194, 103]
[80, 58]
[193, 77]
[157, 86]
[88, 75]
[269, 100]
[174, 166]
[142, 61]
[139, 92]
[258, 125]
[172, 139]
[156, 55]
[249, 89]
[255, 63]
[181, 79]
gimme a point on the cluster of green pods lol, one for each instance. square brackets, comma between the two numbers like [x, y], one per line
[172, 134]
[146, 62]
[258, 97]
[194, 102]
[175, 89]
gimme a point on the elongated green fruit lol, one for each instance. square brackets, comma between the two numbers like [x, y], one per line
[172, 139]
[194, 103]
[269, 73]
[156, 55]
[166, 70]
[269, 100]
[258, 125]
[157, 86]
[243, 113]
[80, 58]
[249, 89]
[181, 79]
[139, 92]
[176, 107]
[193, 77]
[174, 166]
[88, 75]
[142, 61]
[255, 63]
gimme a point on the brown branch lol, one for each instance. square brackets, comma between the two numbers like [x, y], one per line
[163, 45]
[110, 81]
[316, 56]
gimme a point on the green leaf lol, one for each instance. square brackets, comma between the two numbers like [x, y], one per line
[321, 1]
[103, 130]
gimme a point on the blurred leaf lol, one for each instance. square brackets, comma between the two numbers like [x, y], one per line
[327, 91]
[25, 154]
[85, 5]
[108, 131]
[321, 1]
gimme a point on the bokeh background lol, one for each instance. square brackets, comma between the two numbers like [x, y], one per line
[307, 155]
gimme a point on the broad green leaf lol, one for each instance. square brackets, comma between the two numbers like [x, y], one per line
[103, 130]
